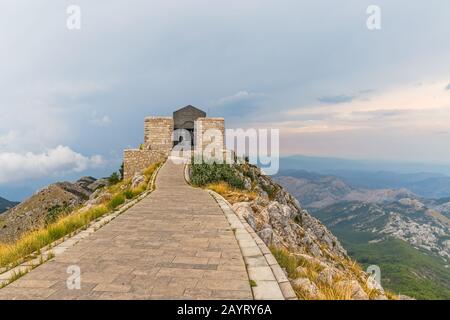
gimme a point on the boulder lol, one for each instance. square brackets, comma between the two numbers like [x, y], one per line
[266, 235]
[277, 214]
[100, 198]
[251, 221]
[263, 202]
[85, 182]
[315, 250]
[97, 184]
[328, 275]
[301, 270]
[247, 183]
[263, 194]
[311, 260]
[244, 210]
[137, 179]
[307, 287]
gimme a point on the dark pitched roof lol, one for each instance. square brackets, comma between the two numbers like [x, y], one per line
[184, 118]
[190, 108]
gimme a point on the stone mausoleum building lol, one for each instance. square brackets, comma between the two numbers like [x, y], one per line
[187, 125]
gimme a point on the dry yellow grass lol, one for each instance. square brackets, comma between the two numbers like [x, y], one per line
[34, 241]
[327, 291]
[336, 290]
[330, 292]
[232, 195]
[356, 269]
[150, 170]
[390, 295]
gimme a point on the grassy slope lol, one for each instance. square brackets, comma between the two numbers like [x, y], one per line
[404, 269]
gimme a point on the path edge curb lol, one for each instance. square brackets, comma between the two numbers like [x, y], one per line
[258, 259]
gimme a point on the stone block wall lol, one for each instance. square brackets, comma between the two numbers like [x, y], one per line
[214, 140]
[158, 134]
[135, 160]
[158, 142]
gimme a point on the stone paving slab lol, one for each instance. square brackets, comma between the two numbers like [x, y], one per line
[174, 244]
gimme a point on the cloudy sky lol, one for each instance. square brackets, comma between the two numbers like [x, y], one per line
[72, 100]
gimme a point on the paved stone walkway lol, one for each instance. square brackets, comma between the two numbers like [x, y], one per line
[174, 244]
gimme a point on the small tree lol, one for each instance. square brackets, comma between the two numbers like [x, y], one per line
[121, 171]
[114, 178]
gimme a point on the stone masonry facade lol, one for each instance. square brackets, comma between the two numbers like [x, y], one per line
[158, 134]
[209, 133]
[158, 139]
[135, 160]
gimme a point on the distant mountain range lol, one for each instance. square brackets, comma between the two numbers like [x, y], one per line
[426, 180]
[315, 191]
[406, 234]
[6, 204]
[326, 165]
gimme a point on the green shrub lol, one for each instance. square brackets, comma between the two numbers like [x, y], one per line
[140, 189]
[55, 212]
[270, 190]
[129, 194]
[121, 170]
[116, 201]
[204, 173]
[114, 178]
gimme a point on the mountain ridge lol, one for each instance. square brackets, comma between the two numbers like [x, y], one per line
[6, 204]
[315, 190]
[46, 205]
[328, 165]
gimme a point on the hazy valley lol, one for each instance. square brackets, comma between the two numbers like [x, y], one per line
[406, 234]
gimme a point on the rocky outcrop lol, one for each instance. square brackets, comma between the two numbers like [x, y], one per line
[281, 222]
[279, 219]
[46, 205]
[137, 179]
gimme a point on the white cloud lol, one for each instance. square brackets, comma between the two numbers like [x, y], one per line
[239, 97]
[60, 160]
[101, 121]
[426, 107]
[8, 138]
